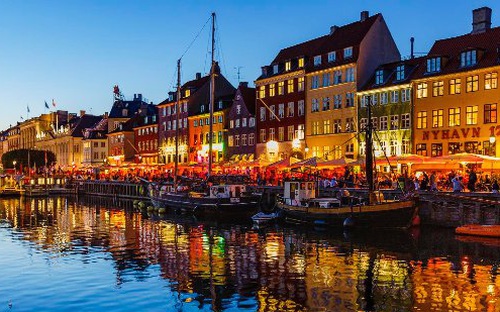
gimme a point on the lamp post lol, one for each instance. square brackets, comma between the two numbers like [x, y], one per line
[14, 163]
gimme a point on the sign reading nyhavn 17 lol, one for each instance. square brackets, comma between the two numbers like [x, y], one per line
[462, 133]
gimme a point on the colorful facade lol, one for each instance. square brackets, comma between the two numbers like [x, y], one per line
[242, 128]
[456, 93]
[146, 140]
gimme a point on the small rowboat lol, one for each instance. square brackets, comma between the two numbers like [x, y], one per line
[479, 230]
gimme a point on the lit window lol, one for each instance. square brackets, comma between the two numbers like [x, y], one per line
[471, 115]
[394, 122]
[271, 89]
[437, 118]
[472, 83]
[301, 62]
[438, 88]
[455, 86]
[281, 88]
[422, 120]
[300, 84]
[490, 113]
[490, 81]
[262, 92]
[422, 90]
[454, 116]
[290, 86]
[288, 65]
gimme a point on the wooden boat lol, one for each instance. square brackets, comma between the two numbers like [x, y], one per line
[300, 205]
[479, 230]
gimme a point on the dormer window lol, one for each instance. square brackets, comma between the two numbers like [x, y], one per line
[434, 65]
[301, 62]
[317, 60]
[400, 72]
[332, 56]
[202, 108]
[379, 76]
[221, 104]
[288, 65]
[275, 69]
[348, 52]
[468, 58]
[124, 112]
[187, 93]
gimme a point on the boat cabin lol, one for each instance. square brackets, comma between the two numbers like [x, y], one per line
[297, 191]
[325, 203]
[227, 191]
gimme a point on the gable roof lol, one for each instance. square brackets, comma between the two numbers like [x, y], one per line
[411, 69]
[248, 95]
[82, 123]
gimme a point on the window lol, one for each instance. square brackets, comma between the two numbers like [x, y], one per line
[421, 149]
[272, 112]
[383, 122]
[251, 122]
[262, 135]
[300, 84]
[348, 52]
[301, 62]
[384, 97]
[393, 145]
[349, 74]
[436, 149]
[468, 58]
[394, 122]
[437, 88]
[490, 113]
[281, 88]
[290, 132]
[375, 123]
[220, 120]
[289, 87]
[281, 110]
[326, 151]
[364, 100]
[243, 122]
[275, 68]
[281, 134]
[471, 147]
[272, 133]
[290, 109]
[405, 95]
[472, 83]
[243, 140]
[300, 132]
[317, 60]
[251, 139]
[262, 92]
[326, 126]
[362, 124]
[405, 121]
[262, 114]
[326, 79]
[422, 120]
[288, 65]
[433, 64]
[349, 99]
[300, 108]
[437, 118]
[237, 123]
[400, 72]
[314, 82]
[271, 89]
[453, 147]
[405, 146]
[169, 110]
[337, 126]
[237, 140]
[395, 96]
[455, 86]
[422, 90]
[229, 140]
[349, 124]
[332, 56]
[315, 127]
[314, 105]
[379, 76]
[326, 103]
[454, 116]
[374, 98]
[337, 102]
[490, 81]
[471, 115]
[337, 77]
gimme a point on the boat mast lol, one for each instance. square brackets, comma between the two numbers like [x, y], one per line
[177, 109]
[212, 99]
[369, 151]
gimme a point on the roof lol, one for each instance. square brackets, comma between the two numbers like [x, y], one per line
[411, 68]
[224, 91]
[83, 122]
[192, 85]
[248, 95]
[131, 107]
[487, 42]
[127, 126]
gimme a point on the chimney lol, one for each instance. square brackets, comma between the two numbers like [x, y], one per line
[198, 76]
[244, 84]
[412, 41]
[139, 97]
[364, 16]
[82, 112]
[481, 20]
[106, 115]
[333, 29]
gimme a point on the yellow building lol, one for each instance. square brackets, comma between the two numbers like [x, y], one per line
[340, 67]
[456, 93]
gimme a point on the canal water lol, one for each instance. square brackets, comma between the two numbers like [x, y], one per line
[61, 254]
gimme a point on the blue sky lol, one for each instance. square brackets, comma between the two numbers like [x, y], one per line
[75, 51]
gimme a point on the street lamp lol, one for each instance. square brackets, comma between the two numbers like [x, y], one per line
[14, 163]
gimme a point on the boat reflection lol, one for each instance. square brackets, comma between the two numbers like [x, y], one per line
[224, 267]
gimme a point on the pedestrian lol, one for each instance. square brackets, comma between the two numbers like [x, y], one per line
[433, 182]
[495, 188]
[458, 185]
[471, 185]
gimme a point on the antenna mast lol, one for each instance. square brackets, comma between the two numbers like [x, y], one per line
[212, 99]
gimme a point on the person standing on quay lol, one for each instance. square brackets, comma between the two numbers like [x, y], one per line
[458, 186]
[471, 185]
[433, 182]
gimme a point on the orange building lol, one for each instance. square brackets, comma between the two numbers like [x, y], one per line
[456, 93]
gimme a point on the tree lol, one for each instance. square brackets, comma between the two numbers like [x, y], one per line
[20, 156]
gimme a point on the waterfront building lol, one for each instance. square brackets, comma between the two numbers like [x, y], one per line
[146, 140]
[340, 66]
[122, 110]
[95, 144]
[456, 93]
[30, 128]
[4, 148]
[121, 143]
[242, 127]
[389, 92]
[13, 138]
[199, 120]
[167, 120]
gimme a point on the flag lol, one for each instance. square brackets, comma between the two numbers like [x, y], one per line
[53, 103]
[46, 105]
[22, 118]
[28, 108]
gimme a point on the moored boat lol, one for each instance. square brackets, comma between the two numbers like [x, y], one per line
[479, 230]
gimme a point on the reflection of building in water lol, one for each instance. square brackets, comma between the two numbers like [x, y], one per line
[442, 286]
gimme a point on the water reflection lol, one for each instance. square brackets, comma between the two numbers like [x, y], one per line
[208, 266]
